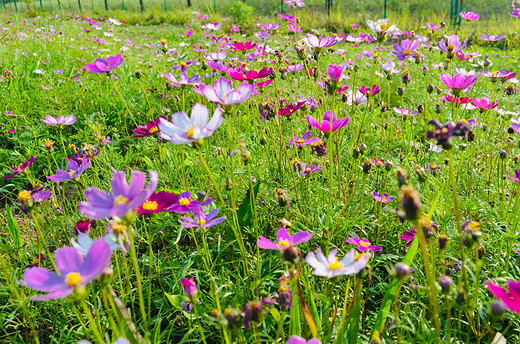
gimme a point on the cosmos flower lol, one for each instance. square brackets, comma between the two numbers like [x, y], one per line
[318, 44]
[329, 123]
[433, 27]
[243, 46]
[381, 28]
[222, 92]
[510, 298]
[443, 133]
[501, 75]
[124, 197]
[483, 103]
[268, 26]
[60, 121]
[185, 204]
[300, 340]
[183, 79]
[202, 220]
[357, 98]
[83, 243]
[364, 244]
[295, 3]
[453, 47]
[469, 16]
[458, 82]
[515, 124]
[304, 140]
[105, 66]
[405, 49]
[289, 18]
[492, 38]
[331, 266]
[74, 170]
[151, 128]
[290, 108]
[404, 111]
[189, 286]
[74, 271]
[157, 202]
[384, 198]
[183, 129]
[19, 169]
[389, 68]
[284, 240]
[309, 169]
[250, 74]
[516, 178]
[408, 236]
[216, 56]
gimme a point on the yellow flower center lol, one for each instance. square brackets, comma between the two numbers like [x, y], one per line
[118, 228]
[358, 256]
[183, 64]
[71, 172]
[184, 201]
[494, 73]
[24, 196]
[383, 26]
[201, 222]
[450, 47]
[283, 242]
[407, 52]
[73, 279]
[121, 200]
[164, 41]
[308, 169]
[315, 144]
[444, 130]
[474, 226]
[190, 131]
[35, 261]
[433, 167]
[363, 243]
[383, 199]
[153, 130]
[336, 264]
[464, 121]
[300, 141]
[150, 205]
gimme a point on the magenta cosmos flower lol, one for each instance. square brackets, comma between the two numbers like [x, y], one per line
[202, 220]
[105, 66]
[123, 198]
[189, 287]
[328, 124]
[284, 240]
[483, 103]
[243, 46]
[60, 121]
[511, 299]
[300, 340]
[458, 82]
[183, 129]
[331, 266]
[74, 169]
[304, 140]
[517, 175]
[151, 128]
[250, 74]
[405, 49]
[290, 109]
[74, 271]
[469, 16]
[222, 92]
[364, 244]
[408, 236]
[19, 169]
[157, 202]
[384, 198]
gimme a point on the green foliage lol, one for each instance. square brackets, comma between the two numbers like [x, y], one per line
[239, 11]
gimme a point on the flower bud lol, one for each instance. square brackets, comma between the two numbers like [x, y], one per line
[421, 173]
[367, 166]
[285, 224]
[445, 282]
[232, 317]
[410, 202]
[443, 242]
[291, 254]
[497, 308]
[82, 226]
[189, 287]
[282, 197]
[400, 90]
[402, 270]
[402, 177]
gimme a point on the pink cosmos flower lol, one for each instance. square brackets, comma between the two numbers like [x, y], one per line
[483, 103]
[284, 240]
[364, 244]
[331, 266]
[300, 340]
[433, 27]
[151, 128]
[74, 169]
[469, 16]
[405, 49]
[222, 92]
[510, 298]
[290, 19]
[250, 74]
[318, 44]
[183, 80]
[268, 26]
[517, 175]
[105, 66]
[290, 109]
[157, 202]
[408, 236]
[453, 46]
[304, 140]
[202, 220]
[310, 169]
[384, 198]
[329, 123]
[458, 82]
[492, 38]
[60, 121]
[75, 271]
[19, 169]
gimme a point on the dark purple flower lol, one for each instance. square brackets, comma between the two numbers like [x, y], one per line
[443, 133]
[253, 311]
[74, 170]
[184, 204]
[82, 226]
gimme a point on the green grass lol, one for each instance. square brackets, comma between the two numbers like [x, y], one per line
[333, 205]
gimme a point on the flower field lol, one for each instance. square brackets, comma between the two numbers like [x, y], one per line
[259, 179]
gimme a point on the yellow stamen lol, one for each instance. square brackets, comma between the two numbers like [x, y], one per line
[283, 242]
[150, 205]
[183, 64]
[300, 141]
[73, 279]
[364, 243]
[358, 256]
[164, 41]
[71, 172]
[450, 47]
[121, 200]
[184, 201]
[336, 264]
[201, 222]
[24, 196]
[190, 131]
[407, 52]
[153, 130]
